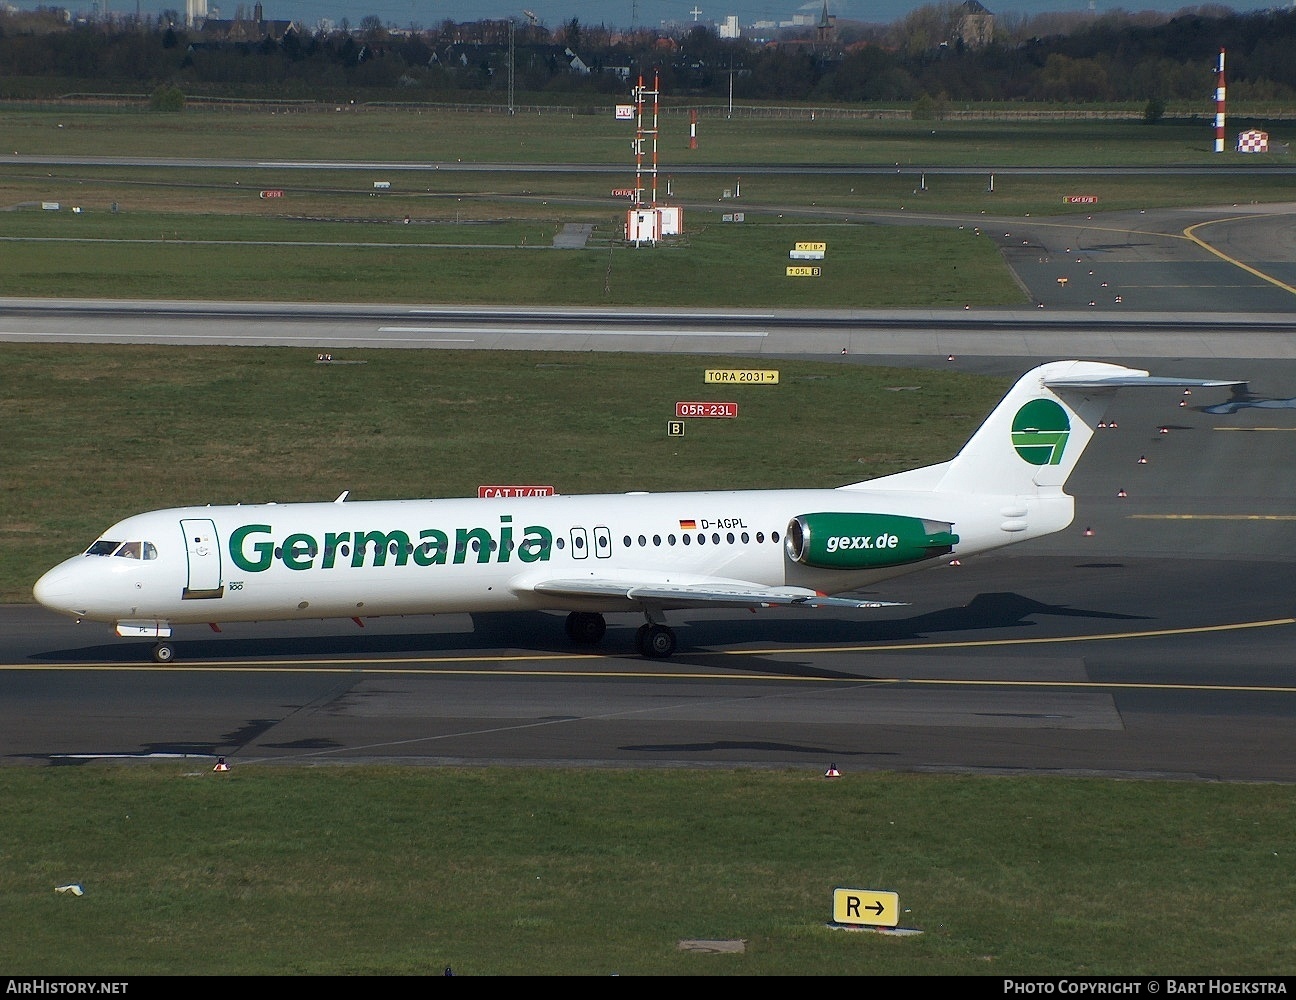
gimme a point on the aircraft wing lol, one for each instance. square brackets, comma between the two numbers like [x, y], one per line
[715, 592]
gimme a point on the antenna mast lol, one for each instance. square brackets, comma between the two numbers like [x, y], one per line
[641, 131]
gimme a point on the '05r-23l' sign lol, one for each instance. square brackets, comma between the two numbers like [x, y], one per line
[706, 409]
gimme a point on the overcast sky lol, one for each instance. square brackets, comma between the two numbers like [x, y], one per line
[614, 13]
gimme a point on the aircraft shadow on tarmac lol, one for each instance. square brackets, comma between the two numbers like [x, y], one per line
[1243, 399]
[544, 634]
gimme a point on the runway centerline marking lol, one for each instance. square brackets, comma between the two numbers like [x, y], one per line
[581, 332]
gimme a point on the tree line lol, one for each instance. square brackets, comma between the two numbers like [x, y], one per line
[1113, 57]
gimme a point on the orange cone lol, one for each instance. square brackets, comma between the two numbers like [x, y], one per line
[832, 772]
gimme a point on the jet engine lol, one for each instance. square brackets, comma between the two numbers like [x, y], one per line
[839, 540]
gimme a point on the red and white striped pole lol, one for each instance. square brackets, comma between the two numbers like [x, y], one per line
[693, 129]
[1219, 106]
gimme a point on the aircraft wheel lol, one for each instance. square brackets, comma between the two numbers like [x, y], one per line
[585, 627]
[163, 652]
[658, 642]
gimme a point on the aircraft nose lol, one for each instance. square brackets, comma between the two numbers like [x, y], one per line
[56, 590]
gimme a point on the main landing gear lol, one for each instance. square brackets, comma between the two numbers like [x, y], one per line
[163, 652]
[655, 640]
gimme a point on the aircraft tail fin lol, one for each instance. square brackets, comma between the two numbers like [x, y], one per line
[1031, 441]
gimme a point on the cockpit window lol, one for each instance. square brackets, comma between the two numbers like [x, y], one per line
[126, 550]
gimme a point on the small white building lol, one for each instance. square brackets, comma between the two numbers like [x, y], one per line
[648, 225]
[643, 225]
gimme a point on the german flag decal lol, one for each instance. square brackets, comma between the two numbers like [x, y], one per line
[689, 525]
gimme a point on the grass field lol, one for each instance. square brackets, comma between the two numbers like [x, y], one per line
[203, 231]
[431, 135]
[496, 871]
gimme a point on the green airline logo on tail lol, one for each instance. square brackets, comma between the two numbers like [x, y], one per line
[1040, 431]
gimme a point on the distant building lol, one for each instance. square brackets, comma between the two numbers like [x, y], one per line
[729, 27]
[975, 24]
[243, 30]
[575, 63]
[826, 26]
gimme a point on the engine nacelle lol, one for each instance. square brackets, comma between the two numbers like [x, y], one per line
[865, 541]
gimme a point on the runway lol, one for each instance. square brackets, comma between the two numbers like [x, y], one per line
[1151, 639]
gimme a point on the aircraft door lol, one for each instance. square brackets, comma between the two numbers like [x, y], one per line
[579, 543]
[602, 543]
[202, 550]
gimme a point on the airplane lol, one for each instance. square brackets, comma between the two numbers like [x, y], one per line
[590, 555]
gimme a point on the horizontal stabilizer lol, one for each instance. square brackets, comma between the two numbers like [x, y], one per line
[1121, 381]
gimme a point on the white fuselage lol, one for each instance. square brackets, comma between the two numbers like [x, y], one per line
[264, 562]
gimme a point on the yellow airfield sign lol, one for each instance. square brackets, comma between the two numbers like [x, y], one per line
[803, 271]
[811, 246]
[741, 376]
[866, 907]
